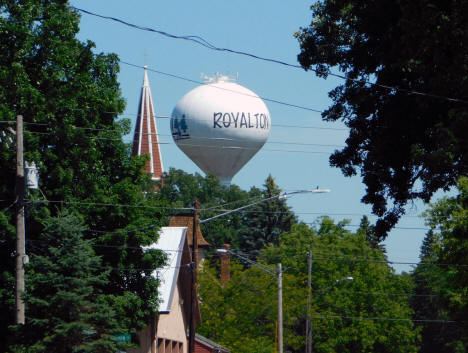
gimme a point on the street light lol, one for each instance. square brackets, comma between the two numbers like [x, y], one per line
[197, 221]
[282, 196]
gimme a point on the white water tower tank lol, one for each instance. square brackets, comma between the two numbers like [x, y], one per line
[220, 126]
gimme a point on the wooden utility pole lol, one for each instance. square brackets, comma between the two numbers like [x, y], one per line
[20, 235]
[309, 295]
[280, 308]
[194, 298]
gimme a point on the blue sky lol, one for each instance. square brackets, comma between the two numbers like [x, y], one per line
[297, 157]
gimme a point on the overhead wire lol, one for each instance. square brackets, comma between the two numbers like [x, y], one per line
[249, 288]
[383, 319]
[343, 257]
[250, 262]
[416, 320]
[204, 138]
[211, 208]
[319, 290]
[385, 294]
[388, 262]
[188, 118]
[358, 225]
[227, 89]
[201, 41]
[206, 145]
[9, 206]
[216, 207]
[109, 204]
[163, 208]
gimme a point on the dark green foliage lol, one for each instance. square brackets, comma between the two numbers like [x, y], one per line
[265, 222]
[67, 312]
[70, 98]
[368, 230]
[241, 315]
[405, 145]
[337, 303]
[248, 230]
[442, 277]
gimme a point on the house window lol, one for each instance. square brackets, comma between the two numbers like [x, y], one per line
[169, 346]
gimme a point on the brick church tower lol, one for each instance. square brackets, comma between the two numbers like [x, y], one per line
[145, 140]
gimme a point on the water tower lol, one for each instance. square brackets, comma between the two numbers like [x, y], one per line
[220, 126]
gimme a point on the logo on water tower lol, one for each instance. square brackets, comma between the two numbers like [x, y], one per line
[179, 128]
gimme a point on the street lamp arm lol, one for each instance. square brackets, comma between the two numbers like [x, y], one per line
[201, 221]
[279, 197]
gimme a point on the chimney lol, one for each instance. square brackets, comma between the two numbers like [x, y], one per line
[225, 265]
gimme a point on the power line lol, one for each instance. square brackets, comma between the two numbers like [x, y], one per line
[94, 245]
[127, 140]
[388, 262]
[342, 257]
[210, 209]
[205, 145]
[201, 41]
[324, 214]
[251, 262]
[382, 319]
[187, 118]
[198, 138]
[226, 89]
[358, 225]
[152, 226]
[109, 204]
[385, 294]
[216, 207]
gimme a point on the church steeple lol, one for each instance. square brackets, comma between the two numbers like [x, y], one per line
[145, 140]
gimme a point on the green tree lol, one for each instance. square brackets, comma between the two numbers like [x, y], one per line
[240, 315]
[402, 62]
[181, 189]
[70, 99]
[343, 312]
[367, 229]
[249, 230]
[371, 313]
[265, 222]
[67, 312]
[441, 279]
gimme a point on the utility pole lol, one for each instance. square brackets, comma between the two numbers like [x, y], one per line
[193, 304]
[20, 235]
[309, 295]
[279, 271]
[280, 308]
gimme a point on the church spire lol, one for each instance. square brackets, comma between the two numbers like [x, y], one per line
[145, 140]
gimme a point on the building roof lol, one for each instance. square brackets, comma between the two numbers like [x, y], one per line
[187, 221]
[145, 140]
[171, 241]
[210, 344]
